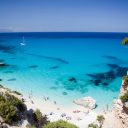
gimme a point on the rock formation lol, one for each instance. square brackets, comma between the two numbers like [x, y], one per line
[121, 106]
[86, 102]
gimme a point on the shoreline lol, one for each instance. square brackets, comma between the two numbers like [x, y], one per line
[77, 115]
[82, 117]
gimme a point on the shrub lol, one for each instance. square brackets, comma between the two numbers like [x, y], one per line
[125, 41]
[8, 112]
[2, 99]
[124, 98]
[92, 125]
[16, 102]
[11, 108]
[125, 78]
[59, 124]
[100, 119]
[39, 119]
[38, 115]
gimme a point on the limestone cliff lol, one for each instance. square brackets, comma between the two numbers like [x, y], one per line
[121, 104]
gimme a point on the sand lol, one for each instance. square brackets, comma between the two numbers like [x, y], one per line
[53, 111]
[82, 117]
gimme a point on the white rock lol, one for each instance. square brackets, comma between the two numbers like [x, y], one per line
[126, 104]
[119, 101]
[87, 102]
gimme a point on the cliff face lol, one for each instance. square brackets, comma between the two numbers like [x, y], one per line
[120, 107]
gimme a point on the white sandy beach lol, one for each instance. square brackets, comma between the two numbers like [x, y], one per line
[77, 115]
[54, 112]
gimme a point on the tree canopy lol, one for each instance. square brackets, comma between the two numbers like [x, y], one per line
[59, 124]
[125, 41]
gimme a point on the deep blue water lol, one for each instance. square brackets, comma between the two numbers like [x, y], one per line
[64, 66]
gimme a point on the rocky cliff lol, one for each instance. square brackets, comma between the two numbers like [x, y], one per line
[121, 104]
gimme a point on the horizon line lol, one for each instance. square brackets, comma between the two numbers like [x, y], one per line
[60, 32]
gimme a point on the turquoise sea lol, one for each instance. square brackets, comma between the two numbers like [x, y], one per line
[64, 66]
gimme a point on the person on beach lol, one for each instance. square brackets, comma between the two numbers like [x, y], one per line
[45, 98]
[30, 95]
[68, 118]
[63, 114]
[107, 107]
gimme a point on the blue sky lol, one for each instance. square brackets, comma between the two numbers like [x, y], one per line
[64, 15]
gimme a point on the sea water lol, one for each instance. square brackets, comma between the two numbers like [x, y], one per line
[64, 66]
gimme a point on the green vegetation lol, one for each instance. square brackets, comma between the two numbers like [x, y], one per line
[15, 102]
[8, 112]
[11, 108]
[39, 119]
[124, 98]
[92, 125]
[125, 41]
[38, 115]
[59, 124]
[125, 78]
[100, 119]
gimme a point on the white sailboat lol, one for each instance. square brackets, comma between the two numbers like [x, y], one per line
[23, 42]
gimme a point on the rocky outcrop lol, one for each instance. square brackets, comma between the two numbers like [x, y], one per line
[86, 102]
[121, 108]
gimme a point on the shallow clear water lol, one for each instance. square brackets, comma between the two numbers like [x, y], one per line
[64, 66]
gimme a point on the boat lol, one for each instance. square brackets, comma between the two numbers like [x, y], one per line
[23, 42]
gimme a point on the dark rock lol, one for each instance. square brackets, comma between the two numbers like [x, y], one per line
[113, 66]
[105, 84]
[8, 72]
[3, 64]
[91, 81]
[70, 88]
[103, 79]
[33, 66]
[64, 93]
[7, 48]
[110, 75]
[71, 84]
[100, 76]
[111, 57]
[54, 67]
[92, 75]
[97, 82]
[72, 79]
[54, 88]
[121, 71]
[2, 60]
[13, 79]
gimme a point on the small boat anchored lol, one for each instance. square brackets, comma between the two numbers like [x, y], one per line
[23, 42]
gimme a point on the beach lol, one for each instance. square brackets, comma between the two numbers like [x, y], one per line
[82, 117]
[78, 115]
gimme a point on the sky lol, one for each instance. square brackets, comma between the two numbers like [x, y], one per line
[64, 15]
